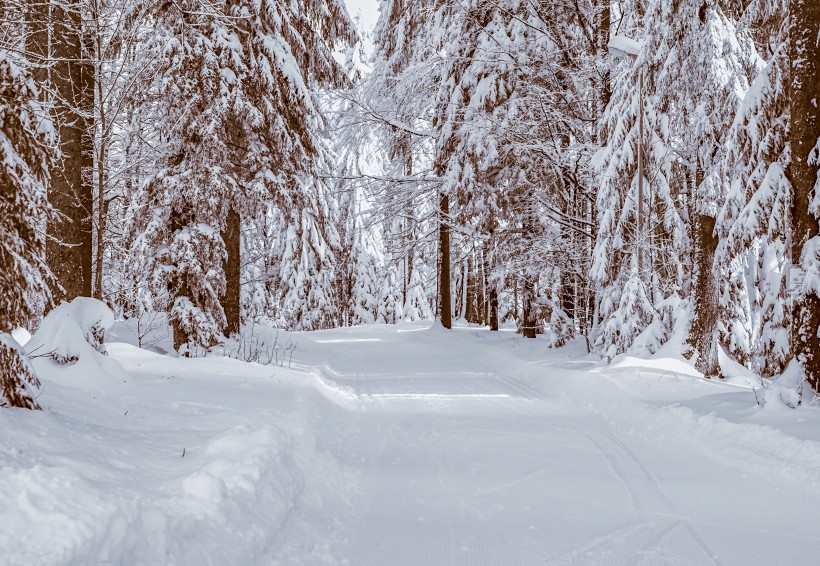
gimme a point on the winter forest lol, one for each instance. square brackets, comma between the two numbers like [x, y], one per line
[230, 180]
[615, 172]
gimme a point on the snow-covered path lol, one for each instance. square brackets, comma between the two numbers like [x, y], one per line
[394, 446]
[463, 462]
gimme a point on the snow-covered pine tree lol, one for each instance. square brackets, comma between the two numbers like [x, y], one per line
[240, 126]
[640, 266]
[25, 141]
[753, 222]
[309, 242]
[703, 77]
[488, 60]
[364, 284]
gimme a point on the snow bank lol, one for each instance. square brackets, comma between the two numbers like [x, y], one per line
[190, 461]
[115, 499]
[70, 343]
[762, 449]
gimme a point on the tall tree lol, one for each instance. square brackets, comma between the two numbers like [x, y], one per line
[803, 173]
[59, 43]
[753, 222]
[241, 127]
[25, 155]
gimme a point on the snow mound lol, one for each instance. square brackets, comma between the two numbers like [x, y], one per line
[786, 390]
[72, 338]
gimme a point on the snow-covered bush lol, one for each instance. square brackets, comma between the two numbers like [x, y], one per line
[74, 333]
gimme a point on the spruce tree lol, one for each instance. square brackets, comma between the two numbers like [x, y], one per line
[240, 125]
[25, 156]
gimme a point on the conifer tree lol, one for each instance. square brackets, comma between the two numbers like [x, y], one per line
[25, 156]
[240, 127]
[752, 224]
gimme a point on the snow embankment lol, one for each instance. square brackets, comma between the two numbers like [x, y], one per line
[657, 402]
[139, 458]
[94, 500]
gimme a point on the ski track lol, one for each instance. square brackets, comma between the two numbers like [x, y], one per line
[464, 471]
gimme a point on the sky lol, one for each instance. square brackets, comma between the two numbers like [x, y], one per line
[368, 10]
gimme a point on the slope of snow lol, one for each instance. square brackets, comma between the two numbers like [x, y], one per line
[407, 445]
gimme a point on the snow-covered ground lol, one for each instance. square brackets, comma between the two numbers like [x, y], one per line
[406, 445]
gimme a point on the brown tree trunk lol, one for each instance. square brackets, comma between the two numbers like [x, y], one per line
[493, 306]
[605, 93]
[527, 325]
[492, 286]
[703, 334]
[69, 247]
[231, 300]
[568, 293]
[445, 306]
[528, 299]
[474, 302]
[805, 131]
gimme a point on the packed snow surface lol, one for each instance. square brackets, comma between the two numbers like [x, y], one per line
[407, 445]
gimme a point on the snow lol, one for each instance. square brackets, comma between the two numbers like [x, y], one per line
[407, 445]
[70, 342]
[624, 46]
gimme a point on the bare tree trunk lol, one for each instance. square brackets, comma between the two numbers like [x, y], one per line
[805, 131]
[233, 245]
[93, 45]
[528, 299]
[493, 302]
[703, 334]
[445, 306]
[69, 247]
[528, 295]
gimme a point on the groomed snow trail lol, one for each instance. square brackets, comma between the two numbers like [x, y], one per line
[406, 446]
[470, 455]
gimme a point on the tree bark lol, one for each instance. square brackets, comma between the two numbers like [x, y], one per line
[805, 131]
[231, 299]
[180, 287]
[528, 300]
[493, 306]
[69, 247]
[445, 306]
[703, 335]
[528, 296]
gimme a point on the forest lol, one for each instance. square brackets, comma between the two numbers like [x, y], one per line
[627, 173]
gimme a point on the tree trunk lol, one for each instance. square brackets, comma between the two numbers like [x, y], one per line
[605, 92]
[231, 300]
[94, 44]
[180, 287]
[805, 131]
[703, 334]
[493, 302]
[69, 246]
[445, 306]
[528, 299]
[492, 289]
